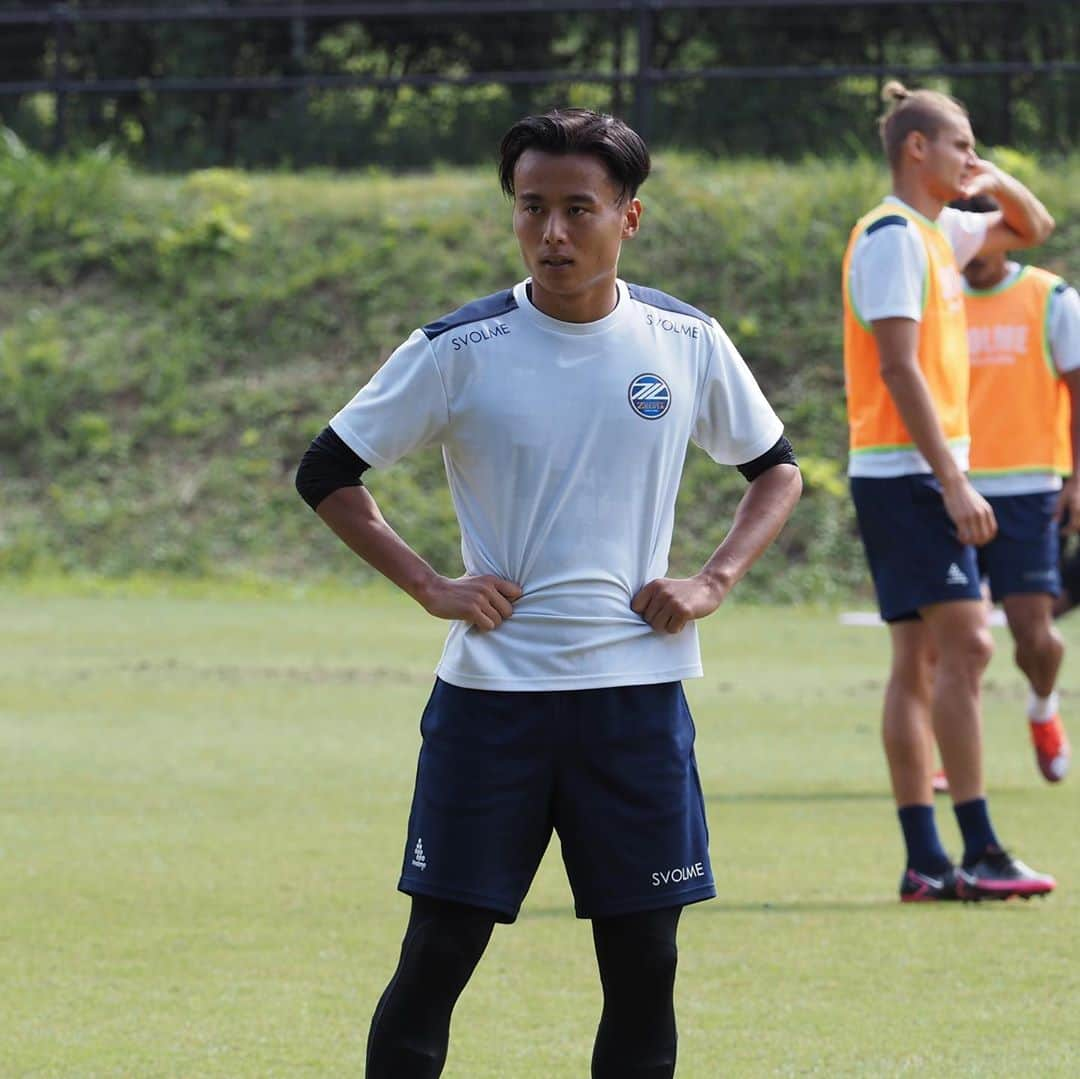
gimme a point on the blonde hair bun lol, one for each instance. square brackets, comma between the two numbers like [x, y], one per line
[894, 90]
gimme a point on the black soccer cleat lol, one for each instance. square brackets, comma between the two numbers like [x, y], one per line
[916, 887]
[998, 875]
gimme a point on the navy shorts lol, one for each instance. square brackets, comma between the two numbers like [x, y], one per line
[1023, 556]
[911, 545]
[612, 771]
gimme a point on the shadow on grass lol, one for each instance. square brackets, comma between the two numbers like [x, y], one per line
[1001, 790]
[784, 797]
[800, 906]
[720, 906]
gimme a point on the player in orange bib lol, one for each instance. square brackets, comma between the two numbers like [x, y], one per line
[1024, 342]
[906, 376]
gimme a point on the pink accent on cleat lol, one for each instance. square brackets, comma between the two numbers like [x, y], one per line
[997, 875]
[916, 887]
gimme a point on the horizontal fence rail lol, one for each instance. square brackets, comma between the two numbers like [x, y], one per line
[412, 8]
[641, 75]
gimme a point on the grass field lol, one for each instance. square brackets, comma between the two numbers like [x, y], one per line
[202, 808]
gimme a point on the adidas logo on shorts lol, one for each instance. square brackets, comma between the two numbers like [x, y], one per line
[955, 575]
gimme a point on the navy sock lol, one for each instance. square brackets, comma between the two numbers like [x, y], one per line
[924, 850]
[974, 820]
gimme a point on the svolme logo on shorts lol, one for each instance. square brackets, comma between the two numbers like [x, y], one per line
[649, 396]
[418, 858]
[679, 875]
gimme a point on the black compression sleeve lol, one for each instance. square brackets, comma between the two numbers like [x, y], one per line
[411, 1026]
[637, 956]
[783, 453]
[328, 465]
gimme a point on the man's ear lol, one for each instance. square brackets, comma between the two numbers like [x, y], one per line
[915, 144]
[632, 218]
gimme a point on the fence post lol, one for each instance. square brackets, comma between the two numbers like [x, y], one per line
[298, 32]
[643, 87]
[618, 90]
[298, 41]
[58, 16]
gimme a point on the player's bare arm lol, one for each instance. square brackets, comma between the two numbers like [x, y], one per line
[897, 341]
[484, 602]
[1068, 507]
[1023, 220]
[668, 604]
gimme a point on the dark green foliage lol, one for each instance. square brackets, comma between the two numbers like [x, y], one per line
[771, 114]
[169, 346]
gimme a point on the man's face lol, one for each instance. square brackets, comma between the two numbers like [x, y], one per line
[949, 158]
[986, 271]
[570, 225]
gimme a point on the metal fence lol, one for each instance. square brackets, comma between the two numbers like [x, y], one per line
[634, 74]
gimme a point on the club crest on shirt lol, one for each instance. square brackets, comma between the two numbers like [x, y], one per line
[649, 396]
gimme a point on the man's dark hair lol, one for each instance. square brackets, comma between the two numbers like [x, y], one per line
[978, 204]
[578, 131]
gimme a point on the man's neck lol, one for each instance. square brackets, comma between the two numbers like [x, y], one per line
[1007, 270]
[590, 306]
[917, 197]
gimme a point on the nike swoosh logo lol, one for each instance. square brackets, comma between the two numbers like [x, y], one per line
[932, 881]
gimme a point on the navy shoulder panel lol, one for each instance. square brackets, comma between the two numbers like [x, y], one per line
[655, 298]
[885, 222]
[498, 303]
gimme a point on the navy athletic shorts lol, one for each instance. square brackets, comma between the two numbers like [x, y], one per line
[911, 545]
[1023, 556]
[612, 771]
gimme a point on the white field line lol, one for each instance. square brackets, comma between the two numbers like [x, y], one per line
[872, 618]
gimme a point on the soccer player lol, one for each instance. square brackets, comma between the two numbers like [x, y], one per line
[564, 406]
[906, 375]
[1024, 342]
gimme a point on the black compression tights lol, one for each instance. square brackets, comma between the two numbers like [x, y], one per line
[411, 1026]
[636, 955]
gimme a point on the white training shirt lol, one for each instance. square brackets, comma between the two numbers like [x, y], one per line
[887, 276]
[564, 446]
[1063, 336]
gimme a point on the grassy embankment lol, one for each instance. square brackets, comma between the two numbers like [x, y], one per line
[168, 346]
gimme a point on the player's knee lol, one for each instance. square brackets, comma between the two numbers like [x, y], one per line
[967, 654]
[654, 963]
[447, 947]
[982, 650]
[911, 679]
[638, 951]
[1039, 639]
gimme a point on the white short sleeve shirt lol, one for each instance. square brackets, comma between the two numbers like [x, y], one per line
[564, 445]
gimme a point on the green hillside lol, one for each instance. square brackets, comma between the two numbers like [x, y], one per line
[169, 345]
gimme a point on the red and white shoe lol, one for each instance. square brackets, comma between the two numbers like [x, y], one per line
[1052, 752]
[939, 782]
